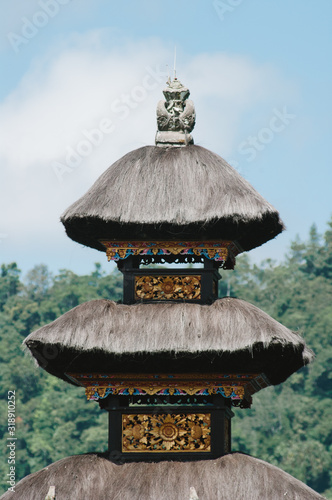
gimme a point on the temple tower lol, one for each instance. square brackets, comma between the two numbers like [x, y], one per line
[172, 359]
[170, 362]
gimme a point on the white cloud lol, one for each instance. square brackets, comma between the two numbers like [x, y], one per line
[71, 90]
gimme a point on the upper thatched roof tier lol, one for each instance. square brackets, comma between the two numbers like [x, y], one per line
[230, 335]
[231, 477]
[171, 193]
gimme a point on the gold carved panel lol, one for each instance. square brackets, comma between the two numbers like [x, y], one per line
[166, 433]
[168, 287]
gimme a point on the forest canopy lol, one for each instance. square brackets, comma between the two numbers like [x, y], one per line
[288, 425]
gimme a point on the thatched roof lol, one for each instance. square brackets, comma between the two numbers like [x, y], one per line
[171, 193]
[229, 335]
[231, 477]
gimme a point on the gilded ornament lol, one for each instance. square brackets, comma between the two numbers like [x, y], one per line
[90, 392]
[166, 432]
[228, 390]
[168, 287]
[239, 391]
[138, 431]
[233, 386]
[215, 250]
[196, 431]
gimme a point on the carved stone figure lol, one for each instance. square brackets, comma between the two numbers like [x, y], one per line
[176, 116]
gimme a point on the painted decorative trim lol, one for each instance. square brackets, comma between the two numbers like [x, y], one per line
[234, 386]
[166, 433]
[167, 287]
[213, 250]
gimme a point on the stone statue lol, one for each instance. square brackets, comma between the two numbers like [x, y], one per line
[175, 116]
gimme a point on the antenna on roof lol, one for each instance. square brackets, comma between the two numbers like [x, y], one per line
[169, 80]
[174, 62]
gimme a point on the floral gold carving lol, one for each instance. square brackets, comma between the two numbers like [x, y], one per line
[168, 287]
[166, 432]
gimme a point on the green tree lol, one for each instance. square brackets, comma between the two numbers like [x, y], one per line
[9, 282]
[288, 425]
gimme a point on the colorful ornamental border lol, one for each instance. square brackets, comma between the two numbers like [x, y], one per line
[214, 250]
[233, 386]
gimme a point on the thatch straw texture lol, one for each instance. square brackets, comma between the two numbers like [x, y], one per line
[226, 329]
[231, 477]
[165, 192]
[227, 325]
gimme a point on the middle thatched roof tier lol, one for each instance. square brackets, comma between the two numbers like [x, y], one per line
[169, 193]
[229, 336]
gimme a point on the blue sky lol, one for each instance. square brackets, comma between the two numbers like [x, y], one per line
[259, 72]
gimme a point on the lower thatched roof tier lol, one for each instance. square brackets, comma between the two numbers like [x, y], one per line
[231, 477]
[156, 193]
[230, 335]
